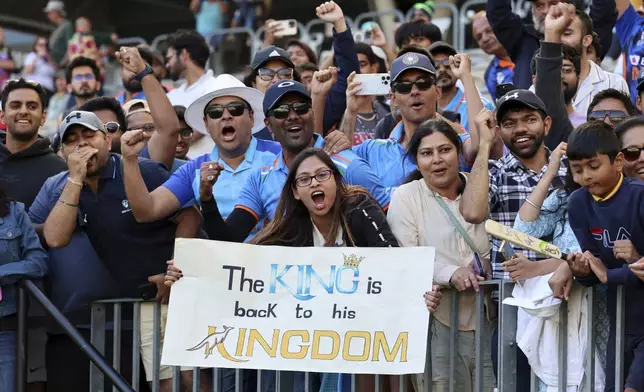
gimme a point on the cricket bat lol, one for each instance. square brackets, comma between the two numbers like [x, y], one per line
[523, 240]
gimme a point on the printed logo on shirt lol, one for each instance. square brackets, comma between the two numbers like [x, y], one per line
[126, 206]
[635, 60]
[604, 236]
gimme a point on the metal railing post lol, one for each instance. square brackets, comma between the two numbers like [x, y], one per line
[97, 338]
[478, 340]
[619, 338]
[21, 341]
[563, 346]
[590, 341]
[507, 366]
[462, 18]
[453, 342]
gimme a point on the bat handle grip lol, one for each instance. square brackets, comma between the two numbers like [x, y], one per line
[564, 256]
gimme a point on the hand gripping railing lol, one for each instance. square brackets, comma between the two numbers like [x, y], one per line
[27, 288]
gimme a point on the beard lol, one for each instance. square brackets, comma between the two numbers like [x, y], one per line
[133, 86]
[85, 92]
[176, 71]
[539, 25]
[530, 152]
[569, 93]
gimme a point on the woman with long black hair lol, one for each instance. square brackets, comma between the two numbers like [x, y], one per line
[317, 208]
[21, 257]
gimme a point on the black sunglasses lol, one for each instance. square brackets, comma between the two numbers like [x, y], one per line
[281, 112]
[615, 116]
[631, 154]
[235, 109]
[112, 127]
[405, 86]
[186, 133]
[268, 74]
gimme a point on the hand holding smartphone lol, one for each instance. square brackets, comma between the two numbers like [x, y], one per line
[285, 28]
[374, 84]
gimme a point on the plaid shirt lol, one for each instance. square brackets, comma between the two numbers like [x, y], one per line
[510, 185]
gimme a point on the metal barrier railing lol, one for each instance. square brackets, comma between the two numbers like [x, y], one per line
[379, 14]
[506, 324]
[455, 24]
[463, 20]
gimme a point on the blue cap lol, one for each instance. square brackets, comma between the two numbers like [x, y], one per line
[411, 60]
[279, 90]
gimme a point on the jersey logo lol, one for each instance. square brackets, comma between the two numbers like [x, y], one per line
[604, 236]
[126, 206]
[410, 59]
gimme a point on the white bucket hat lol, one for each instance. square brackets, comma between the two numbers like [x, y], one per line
[226, 85]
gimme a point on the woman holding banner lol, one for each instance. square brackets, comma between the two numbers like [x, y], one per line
[425, 212]
[317, 208]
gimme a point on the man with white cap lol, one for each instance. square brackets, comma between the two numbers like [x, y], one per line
[55, 11]
[134, 253]
[229, 115]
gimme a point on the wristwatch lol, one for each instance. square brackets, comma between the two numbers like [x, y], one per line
[147, 71]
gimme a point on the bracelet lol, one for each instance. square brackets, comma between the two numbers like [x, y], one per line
[61, 201]
[532, 204]
[80, 184]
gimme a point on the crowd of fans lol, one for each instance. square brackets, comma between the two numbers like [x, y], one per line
[96, 185]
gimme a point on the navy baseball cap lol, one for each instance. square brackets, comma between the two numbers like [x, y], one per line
[442, 47]
[271, 53]
[524, 97]
[411, 60]
[278, 90]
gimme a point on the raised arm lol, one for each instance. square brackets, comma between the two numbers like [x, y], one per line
[475, 200]
[61, 222]
[507, 26]
[163, 143]
[548, 80]
[622, 6]
[346, 60]
[146, 206]
[321, 85]
[604, 15]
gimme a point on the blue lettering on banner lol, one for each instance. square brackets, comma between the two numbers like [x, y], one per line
[306, 274]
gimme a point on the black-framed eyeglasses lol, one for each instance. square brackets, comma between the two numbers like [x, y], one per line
[631, 154]
[149, 127]
[405, 86]
[615, 116]
[235, 109]
[322, 176]
[282, 74]
[186, 133]
[281, 112]
[112, 126]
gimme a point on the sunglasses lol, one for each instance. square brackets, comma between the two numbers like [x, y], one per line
[615, 116]
[405, 86]
[268, 74]
[13, 81]
[322, 176]
[149, 127]
[112, 127]
[235, 109]
[281, 112]
[631, 154]
[186, 133]
[444, 62]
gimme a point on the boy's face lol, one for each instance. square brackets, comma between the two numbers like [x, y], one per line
[597, 174]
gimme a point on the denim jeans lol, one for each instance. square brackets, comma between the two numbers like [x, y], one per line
[7, 360]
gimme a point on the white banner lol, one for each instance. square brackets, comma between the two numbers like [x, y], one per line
[329, 310]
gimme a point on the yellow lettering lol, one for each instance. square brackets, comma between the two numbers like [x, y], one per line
[255, 336]
[315, 352]
[380, 342]
[304, 349]
[240, 342]
[366, 346]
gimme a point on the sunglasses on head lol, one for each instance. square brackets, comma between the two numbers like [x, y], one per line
[186, 133]
[615, 116]
[112, 127]
[268, 74]
[631, 154]
[405, 86]
[13, 81]
[235, 109]
[281, 112]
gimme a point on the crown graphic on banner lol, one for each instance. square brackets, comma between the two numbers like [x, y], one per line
[352, 261]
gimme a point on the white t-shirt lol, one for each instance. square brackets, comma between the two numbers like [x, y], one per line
[184, 95]
[43, 71]
[318, 238]
[205, 145]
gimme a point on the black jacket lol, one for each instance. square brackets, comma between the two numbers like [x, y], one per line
[521, 40]
[23, 174]
[548, 87]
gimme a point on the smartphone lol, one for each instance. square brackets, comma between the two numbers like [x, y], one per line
[478, 265]
[358, 36]
[507, 250]
[148, 291]
[374, 84]
[288, 27]
[504, 88]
